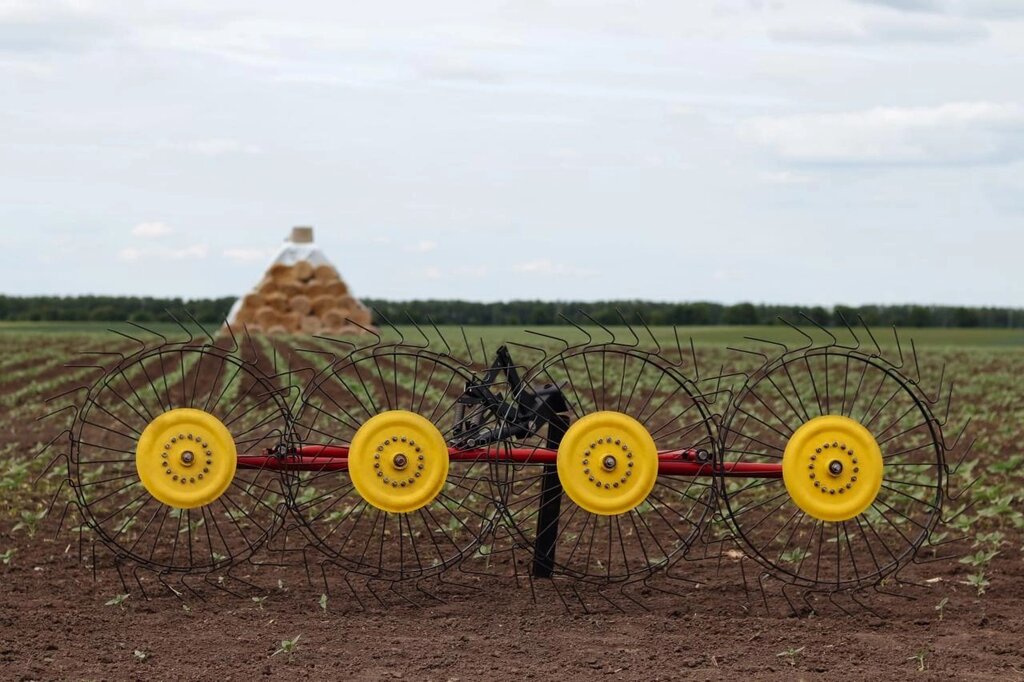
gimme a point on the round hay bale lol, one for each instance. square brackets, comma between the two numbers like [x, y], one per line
[266, 317]
[267, 286]
[312, 325]
[325, 274]
[252, 301]
[277, 330]
[245, 315]
[361, 315]
[323, 303]
[334, 319]
[277, 301]
[314, 289]
[302, 271]
[336, 288]
[290, 288]
[301, 304]
[292, 322]
[279, 271]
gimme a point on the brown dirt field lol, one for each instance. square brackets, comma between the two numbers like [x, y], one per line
[55, 624]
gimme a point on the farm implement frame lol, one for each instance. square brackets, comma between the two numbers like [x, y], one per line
[608, 460]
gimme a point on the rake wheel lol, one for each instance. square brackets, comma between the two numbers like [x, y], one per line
[863, 463]
[388, 489]
[155, 457]
[607, 510]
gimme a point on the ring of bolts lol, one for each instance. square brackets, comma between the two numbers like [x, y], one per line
[608, 463]
[187, 458]
[399, 461]
[834, 468]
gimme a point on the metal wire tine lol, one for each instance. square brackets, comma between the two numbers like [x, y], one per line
[611, 334]
[899, 349]
[201, 327]
[629, 328]
[231, 334]
[388, 323]
[647, 327]
[801, 332]
[162, 338]
[415, 325]
[834, 342]
[586, 333]
[142, 344]
[469, 350]
[917, 365]
[856, 339]
[191, 336]
[447, 346]
[558, 339]
[369, 330]
[871, 335]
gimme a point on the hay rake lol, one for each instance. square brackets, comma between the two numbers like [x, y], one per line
[604, 462]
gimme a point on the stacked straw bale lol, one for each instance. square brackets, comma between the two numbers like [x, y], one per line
[302, 298]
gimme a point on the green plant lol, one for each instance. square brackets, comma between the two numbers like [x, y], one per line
[941, 606]
[919, 657]
[118, 600]
[7, 556]
[287, 646]
[978, 581]
[323, 602]
[790, 655]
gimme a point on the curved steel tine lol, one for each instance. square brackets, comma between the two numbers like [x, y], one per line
[447, 346]
[650, 333]
[629, 328]
[586, 333]
[610, 333]
[191, 336]
[469, 350]
[200, 325]
[142, 344]
[835, 341]
[878, 348]
[415, 325]
[388, 323]
[234, 339]
[899, 349]
[801, 332]
[565, 344]
[369, 330]
[856, 339]
[148, 331]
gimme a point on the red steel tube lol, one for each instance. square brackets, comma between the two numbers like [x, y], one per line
[672, 463]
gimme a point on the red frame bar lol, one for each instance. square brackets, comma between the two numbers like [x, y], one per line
[671, 463]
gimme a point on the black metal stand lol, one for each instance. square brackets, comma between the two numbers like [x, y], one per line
[550, 503]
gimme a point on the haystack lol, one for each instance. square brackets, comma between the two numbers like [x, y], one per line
[301, 293]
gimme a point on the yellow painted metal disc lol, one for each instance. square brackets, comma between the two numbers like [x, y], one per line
[607, 463]
[832, 468]
[186, 458]
[398, 461]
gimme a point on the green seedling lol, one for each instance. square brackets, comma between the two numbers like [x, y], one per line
[790, 655]
[287, 646]
[118, 600]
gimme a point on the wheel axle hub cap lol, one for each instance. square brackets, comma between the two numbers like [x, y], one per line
[186, 458]
[398, 461]
[607, 463]
[832, 468]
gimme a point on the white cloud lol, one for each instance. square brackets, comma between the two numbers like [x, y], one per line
[422, 246]
[933, 30]
[955, 133]
[546, 267]
[151, 230]
[786, 178]
[245, 255]
[989, 9]
[222, 147]
[131, 254]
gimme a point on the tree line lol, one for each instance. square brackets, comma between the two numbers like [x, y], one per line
[520, 313]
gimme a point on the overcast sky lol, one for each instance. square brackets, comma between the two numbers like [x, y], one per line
[789, 151]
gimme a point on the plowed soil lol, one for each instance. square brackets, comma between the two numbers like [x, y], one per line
[57, 622]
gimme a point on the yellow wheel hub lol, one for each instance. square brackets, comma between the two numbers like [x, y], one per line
[832, 468]
[186, 458]
[398, 461]
[607, 463]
